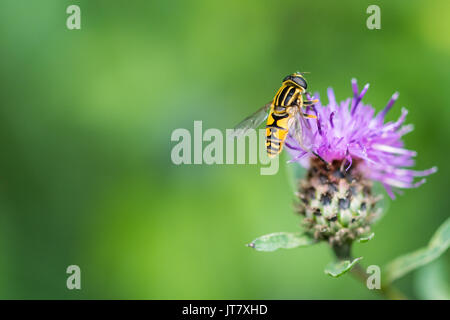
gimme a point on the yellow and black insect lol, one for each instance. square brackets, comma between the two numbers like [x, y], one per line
[286, 110]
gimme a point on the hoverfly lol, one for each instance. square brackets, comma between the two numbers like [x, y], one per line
[286, 110]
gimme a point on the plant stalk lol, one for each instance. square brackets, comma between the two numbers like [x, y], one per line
[343, 252]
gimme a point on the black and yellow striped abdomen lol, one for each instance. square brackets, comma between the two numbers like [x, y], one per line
[278, 120]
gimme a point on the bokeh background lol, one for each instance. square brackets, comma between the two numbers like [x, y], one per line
[86, 118]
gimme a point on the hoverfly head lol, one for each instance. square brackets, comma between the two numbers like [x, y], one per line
[297, 79]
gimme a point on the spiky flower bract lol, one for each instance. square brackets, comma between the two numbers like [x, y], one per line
[350, 147]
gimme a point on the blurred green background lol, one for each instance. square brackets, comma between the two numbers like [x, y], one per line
[86, 117]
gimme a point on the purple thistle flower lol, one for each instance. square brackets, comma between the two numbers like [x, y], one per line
[352, 134]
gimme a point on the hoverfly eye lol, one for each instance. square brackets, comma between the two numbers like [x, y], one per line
[306, 84]
[301, 82]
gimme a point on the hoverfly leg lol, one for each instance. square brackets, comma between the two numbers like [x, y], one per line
[309, 116]
[310, 102]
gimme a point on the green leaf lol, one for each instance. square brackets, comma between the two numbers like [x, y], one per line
[408, 262]
[366, 238]
[337, 269]
[286, 240]
[432, 281]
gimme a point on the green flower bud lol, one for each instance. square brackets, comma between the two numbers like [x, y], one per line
[338, 205]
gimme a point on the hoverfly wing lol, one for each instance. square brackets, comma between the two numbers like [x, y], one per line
[296, 128]
[251, 122]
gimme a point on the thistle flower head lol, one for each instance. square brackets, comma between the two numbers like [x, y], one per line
[350, 131]
[359, 147]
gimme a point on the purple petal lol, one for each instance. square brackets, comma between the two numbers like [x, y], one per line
[388, 107]
[331, 119]
[359, 98]
[355, 88]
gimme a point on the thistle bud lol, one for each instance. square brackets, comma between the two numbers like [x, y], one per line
[338, 205]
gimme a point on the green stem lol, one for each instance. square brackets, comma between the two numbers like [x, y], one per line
[343, 252]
